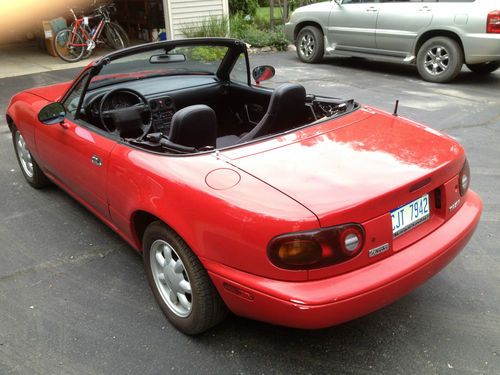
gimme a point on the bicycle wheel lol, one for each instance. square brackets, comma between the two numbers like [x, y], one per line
[113, 37]
[121, 31]
[69, 47]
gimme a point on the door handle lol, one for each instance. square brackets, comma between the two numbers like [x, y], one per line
[372, 9]
[96, 160]
[425, 8]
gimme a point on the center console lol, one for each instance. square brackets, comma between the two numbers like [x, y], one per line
[162, 110]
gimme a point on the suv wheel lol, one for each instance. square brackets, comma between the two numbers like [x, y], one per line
[310, 44]
[440, 60]
[484, 68]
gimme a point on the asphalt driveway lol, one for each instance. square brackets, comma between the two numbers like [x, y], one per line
[74, 298]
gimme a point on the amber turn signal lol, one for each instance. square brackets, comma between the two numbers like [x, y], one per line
[300, 252]
[316, 248]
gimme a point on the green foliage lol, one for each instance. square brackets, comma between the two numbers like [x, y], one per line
[253, 31]
[245, 7]
[208, 53]
[257, 35]
[278, 39]
[210, 26]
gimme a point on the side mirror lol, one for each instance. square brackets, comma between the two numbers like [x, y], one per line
[263, 73]
[53, 113]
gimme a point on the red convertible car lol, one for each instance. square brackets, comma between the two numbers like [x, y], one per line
[286, 207]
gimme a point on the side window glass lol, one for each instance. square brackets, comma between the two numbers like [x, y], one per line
[72, 100]
[239, 72]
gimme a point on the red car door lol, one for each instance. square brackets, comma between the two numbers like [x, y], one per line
[77, 156]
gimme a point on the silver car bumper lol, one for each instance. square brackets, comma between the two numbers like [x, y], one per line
[481, 48]
[289, 28]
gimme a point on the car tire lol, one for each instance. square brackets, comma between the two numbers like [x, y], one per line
[310, 44]
[29, 167]
[122, 33]
[484, 68]
[113, 37]
[71, 53]
[440, 60]
[179, 282]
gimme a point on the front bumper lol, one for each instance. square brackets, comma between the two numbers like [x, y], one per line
[480, 48]
[289, 29]
[331, 301]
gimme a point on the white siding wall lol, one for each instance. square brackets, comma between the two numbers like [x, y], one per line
[182, 13]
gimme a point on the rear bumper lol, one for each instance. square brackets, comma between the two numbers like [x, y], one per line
[327, 302]
[481, 48]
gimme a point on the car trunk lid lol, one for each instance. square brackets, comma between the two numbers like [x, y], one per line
[354, 168]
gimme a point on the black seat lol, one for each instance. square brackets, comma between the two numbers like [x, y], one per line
[194, 126]
[286, 110]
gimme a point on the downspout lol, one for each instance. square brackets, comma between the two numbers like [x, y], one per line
[167, 12]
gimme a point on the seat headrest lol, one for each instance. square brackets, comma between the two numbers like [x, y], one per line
[194, 126]
[286, 110]
[288, 98]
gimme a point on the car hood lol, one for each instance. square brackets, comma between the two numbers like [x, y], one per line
[353, 168]
[51, 93]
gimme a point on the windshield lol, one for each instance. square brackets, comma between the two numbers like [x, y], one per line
[186, 60]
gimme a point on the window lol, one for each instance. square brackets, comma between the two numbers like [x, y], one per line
[183, 60]
[239, 71]
[71, 102]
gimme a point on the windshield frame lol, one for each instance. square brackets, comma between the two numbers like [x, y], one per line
[235, 48]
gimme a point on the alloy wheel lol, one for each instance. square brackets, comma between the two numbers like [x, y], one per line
[437, 60]
[171, 278]
[307, 45]
[24, 155]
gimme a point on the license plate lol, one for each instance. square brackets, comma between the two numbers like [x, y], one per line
[410, 215]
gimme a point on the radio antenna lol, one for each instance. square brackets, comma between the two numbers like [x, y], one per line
[396, 108]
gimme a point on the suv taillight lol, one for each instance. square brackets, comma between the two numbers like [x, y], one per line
[493, 22]
[316, 248]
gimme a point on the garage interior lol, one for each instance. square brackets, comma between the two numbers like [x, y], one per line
[26, 43]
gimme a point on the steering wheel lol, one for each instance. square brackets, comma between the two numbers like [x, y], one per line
[126, 120]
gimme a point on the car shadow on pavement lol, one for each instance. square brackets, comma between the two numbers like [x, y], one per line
[466, 77]
[367, 343]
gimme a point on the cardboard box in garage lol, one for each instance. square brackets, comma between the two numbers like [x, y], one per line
[48, 35]
[50, 29]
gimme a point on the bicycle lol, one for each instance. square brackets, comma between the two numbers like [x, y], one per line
[79, 40]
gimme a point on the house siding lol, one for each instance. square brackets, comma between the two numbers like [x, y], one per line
[184, 13]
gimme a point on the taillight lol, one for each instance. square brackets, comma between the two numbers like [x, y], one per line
[317, 248]
[493, 22]
[464, 179]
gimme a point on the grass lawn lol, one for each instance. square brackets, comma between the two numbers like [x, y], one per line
[264, 12]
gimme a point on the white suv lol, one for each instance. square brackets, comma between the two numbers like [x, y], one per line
[439, 36]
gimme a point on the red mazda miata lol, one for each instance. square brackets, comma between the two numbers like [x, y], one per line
[286, 207]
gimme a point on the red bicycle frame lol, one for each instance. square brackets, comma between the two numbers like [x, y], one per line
[77, 25]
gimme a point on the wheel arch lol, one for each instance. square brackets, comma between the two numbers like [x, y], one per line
[436, 33]
[303, 24]
[10, 122]
[140, 221]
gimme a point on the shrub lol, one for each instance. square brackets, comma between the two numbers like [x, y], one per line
[210, 26]
[241, 28]
[279, 40]
[208, 54]
[245, 7]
